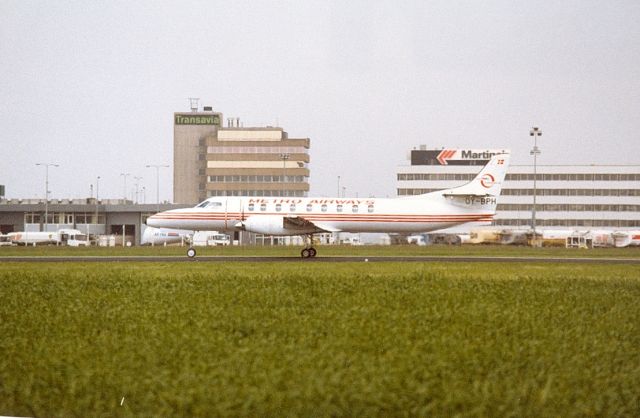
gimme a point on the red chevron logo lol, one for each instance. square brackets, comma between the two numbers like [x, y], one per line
[444, 155]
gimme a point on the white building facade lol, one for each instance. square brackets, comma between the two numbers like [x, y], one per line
[567, 196]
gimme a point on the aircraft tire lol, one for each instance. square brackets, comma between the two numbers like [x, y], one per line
[305, 253]
[191, 252]
[312, 252]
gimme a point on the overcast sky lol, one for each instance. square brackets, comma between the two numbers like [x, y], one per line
[92, 85]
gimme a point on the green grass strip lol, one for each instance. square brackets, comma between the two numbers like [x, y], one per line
[300, 339]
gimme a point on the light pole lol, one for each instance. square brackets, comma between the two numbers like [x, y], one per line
[124, 190]
[97, 197]
[338, 186]
[137, 179]
[157, 167]
[535, 132]
[46, 192]
[284, 156]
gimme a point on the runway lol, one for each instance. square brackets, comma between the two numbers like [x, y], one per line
[329, 259]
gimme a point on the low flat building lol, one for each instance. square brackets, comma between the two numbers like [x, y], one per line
[103, 217]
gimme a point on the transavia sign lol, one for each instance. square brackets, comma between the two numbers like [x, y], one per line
[188, 119]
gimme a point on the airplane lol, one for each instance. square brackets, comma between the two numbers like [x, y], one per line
[162, 236]
[165, 236]
[472, 202]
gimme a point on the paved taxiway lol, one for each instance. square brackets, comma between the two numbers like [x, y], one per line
[375, 259]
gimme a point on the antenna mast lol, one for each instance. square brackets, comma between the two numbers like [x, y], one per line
[193, 103]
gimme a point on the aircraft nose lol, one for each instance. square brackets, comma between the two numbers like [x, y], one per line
[153, 220]
[158, 220]
[164, 219]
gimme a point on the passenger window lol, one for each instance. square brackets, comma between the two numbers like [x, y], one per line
[251, 206]
[309, 207]
[292, 207]
[370, 208]
[263, 207]
[339, 208]
[354, 209]
[278, 207]
[323, 208]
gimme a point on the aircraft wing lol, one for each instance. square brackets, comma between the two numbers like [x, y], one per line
[297, 222]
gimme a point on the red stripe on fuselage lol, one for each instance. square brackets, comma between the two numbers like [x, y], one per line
[330, 217]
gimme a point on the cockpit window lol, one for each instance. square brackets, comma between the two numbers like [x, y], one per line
[209, 204]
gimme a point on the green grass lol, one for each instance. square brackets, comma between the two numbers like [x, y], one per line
[308, 339]
[326, 250]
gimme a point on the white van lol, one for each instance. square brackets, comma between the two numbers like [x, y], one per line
[210, 239]
[73, 238]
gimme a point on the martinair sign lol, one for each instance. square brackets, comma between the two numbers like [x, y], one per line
[452, 156]
[187, 119]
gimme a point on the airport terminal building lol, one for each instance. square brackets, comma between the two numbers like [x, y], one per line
[568, 196]
[212, 160]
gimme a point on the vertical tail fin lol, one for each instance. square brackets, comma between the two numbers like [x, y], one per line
[489, 180]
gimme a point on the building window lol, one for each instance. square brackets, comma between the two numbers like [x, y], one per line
[32, 218]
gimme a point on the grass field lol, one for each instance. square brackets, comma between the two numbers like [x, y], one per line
[326, 250]
[300, 339]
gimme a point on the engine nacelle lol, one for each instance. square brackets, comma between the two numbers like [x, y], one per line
[266, 224]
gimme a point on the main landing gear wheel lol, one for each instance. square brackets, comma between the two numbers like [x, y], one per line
[191, 252]
[308, 252]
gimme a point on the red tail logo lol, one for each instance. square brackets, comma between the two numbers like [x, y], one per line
[487, 181]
